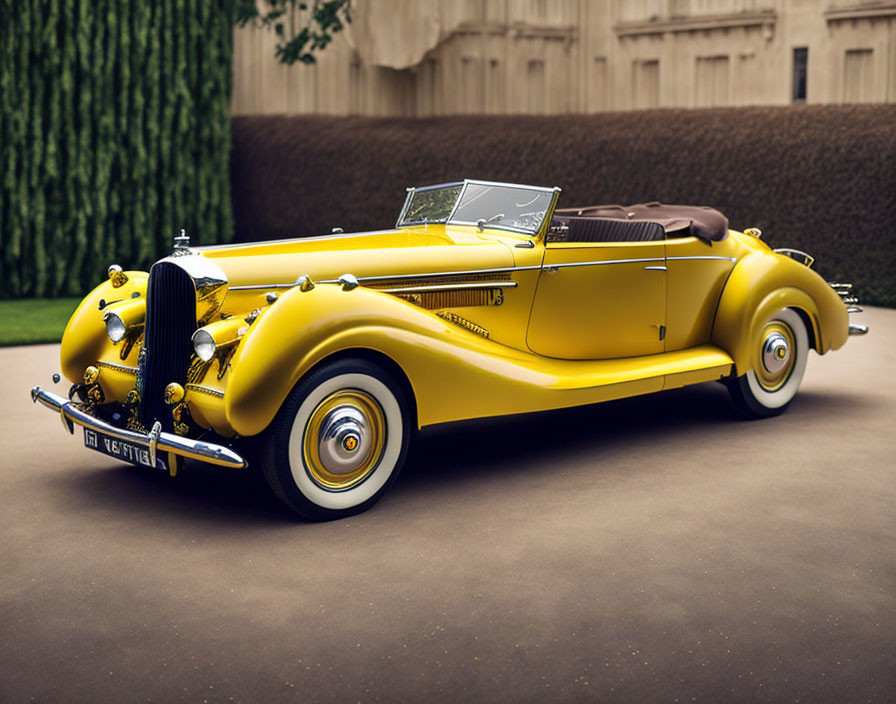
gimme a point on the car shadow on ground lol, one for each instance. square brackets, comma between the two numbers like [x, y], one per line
[440, 456]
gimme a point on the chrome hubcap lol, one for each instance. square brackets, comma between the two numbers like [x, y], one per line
[344, 440]
[775, 353]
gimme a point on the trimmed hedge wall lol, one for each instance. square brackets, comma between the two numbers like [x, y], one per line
[114, 133]
[817, 178]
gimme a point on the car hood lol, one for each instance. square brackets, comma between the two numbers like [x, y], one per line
[419, 250]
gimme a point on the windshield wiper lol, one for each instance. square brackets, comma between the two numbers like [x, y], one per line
[482, 222]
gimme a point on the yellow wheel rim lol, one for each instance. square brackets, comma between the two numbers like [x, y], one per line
[777, 355]
[344, 439]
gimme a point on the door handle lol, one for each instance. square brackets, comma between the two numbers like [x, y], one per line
[654, 268]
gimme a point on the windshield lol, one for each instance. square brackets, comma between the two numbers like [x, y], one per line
[480, 203]
[430, 204]
[518, 208]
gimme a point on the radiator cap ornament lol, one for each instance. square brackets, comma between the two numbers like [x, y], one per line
[181, 244]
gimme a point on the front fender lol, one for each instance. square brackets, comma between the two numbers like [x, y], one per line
[302, 328]
[84, 340]
[760, 285]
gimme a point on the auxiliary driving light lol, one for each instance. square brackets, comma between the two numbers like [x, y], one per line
[222, 333]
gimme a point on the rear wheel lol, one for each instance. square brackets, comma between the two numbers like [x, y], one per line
[779, 362]
[339, 441]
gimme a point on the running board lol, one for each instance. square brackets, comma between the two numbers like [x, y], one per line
[679, 368]
[519, 382]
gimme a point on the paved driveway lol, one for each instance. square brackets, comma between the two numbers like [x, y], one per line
[653, 549]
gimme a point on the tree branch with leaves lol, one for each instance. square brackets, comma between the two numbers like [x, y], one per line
[302, 27]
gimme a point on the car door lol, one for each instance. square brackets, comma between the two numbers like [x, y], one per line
[601, 299]
[697, 271]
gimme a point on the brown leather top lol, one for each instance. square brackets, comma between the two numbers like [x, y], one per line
[677, 220]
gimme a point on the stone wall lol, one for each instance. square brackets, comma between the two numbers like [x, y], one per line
[817, 178]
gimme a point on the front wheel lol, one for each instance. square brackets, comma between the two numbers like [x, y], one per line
[779, 362]
[339, 441]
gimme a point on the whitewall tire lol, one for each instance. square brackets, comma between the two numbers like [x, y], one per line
[339, 441]
[780, 356]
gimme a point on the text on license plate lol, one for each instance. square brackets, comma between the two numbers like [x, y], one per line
[120, 449]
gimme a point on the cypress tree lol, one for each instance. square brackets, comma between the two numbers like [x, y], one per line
[114, 132]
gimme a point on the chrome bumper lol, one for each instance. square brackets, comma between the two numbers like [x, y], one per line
[155, 441]
[858, 329]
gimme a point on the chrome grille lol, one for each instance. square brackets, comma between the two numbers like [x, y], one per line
[167, 347]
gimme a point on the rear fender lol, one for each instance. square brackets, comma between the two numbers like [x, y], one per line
[762, 284]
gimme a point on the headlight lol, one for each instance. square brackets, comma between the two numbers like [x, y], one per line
[204, 345]
[115, 327]
[123, 315]
[221, 333]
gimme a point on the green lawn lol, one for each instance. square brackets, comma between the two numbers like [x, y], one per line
[34, 320]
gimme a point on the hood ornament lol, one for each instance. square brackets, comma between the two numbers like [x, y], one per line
[181, 244]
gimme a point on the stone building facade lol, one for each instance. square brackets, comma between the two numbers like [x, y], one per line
[437, 57]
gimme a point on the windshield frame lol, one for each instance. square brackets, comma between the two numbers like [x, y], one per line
[552, 192]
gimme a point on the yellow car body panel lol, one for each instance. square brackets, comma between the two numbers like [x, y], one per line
[576, 305]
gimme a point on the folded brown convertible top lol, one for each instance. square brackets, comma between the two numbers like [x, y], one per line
[700, 221]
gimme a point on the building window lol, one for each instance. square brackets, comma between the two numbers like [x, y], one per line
[647, 84]
[857, 76]
[597, 96]
[800, 62]
[536, 82]
[712, 81]
[471, 85]
[494, 88]
[429, 91]
[355, 87]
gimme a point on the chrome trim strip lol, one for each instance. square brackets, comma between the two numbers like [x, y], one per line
[205, 390]
[500, 270]
[118, 367]
[164, 442]
[449, 287]
[605, 261]
[545, 189]
[680, 259]
[263, 287]
[364, 279]
[654, 268]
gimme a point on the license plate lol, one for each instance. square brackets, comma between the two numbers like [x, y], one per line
[120, 449]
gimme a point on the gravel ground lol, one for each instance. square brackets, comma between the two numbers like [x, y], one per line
[651, 549]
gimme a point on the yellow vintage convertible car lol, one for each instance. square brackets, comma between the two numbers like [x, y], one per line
[484, 300]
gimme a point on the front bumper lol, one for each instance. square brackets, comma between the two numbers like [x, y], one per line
[154, 441]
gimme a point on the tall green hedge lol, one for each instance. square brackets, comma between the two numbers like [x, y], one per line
[114, 133]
